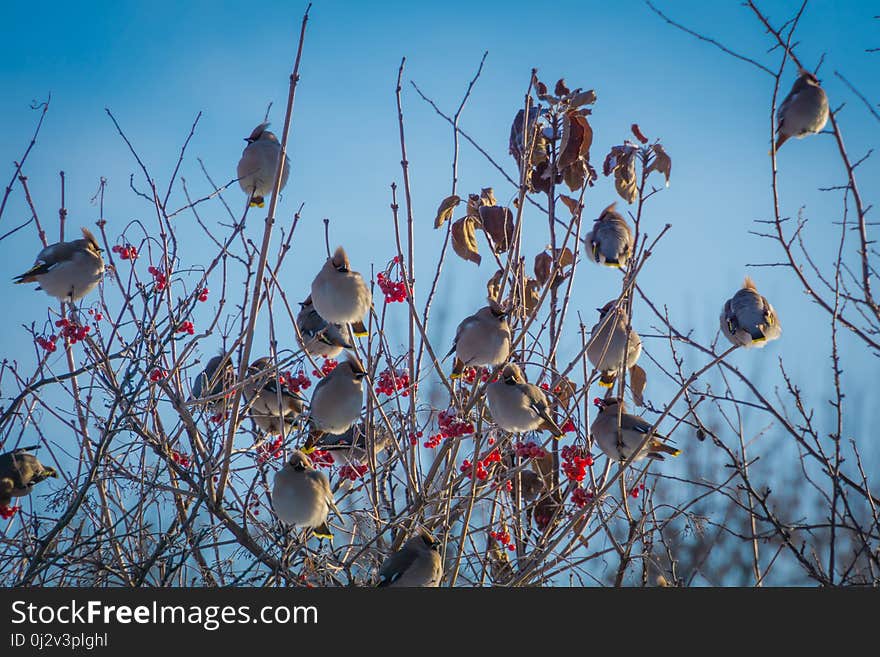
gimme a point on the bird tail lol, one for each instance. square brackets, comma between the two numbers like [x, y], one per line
[312, 441]
[781, 140]
[45, 474]
[457, 368]
[607, 379]
[257, 201]
[30, 276]
[323, 531]
[360, 331]
[549, 425]
[657, 446]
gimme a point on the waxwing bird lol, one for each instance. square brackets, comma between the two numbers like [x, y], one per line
[20, 471]
[620, 442]
[340, 295]
[482, 339]
[417, 563]
[350, 448]
[608, 350]
[67, 270]
[748, 319]
[259, 164]
[519, 406]
[337, 400]
[321, 338]
[804, 110]
[272, 406]
[611, 241]
[213, 381]
[301, 496]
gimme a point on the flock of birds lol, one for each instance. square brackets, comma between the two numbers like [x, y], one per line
[333, 316]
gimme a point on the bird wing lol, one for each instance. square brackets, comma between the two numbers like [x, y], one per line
[538, 403]
[395, 566]
[465, 324]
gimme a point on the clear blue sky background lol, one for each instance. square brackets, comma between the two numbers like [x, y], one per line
[156, 65]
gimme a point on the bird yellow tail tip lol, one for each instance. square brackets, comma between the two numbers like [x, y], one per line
[308, 450]
[606, 384]
[362, 334]
[676, 452]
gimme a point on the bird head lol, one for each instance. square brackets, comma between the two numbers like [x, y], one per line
[610, 210]
[340, 261]
[299, 461]
[357, 370]
[607, 308]
[91, 243]
[808, 77]
[307, 303]
[608, 404]
[257, 133]
[511, 374]
[497, 310]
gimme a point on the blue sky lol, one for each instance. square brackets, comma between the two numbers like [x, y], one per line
[157, 65]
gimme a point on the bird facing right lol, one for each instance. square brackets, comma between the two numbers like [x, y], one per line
[481, 339]
[259, 164]
[519, 406]
[320, 337]
[804, 110]
[338, 398]
[20, 471]
[301, 495]
[417, 564]
[609, 350]
[213, 381]
[67, 270]
[748, 319]
[620, 442]
[272, 406]
[340, 295]
[611, 241]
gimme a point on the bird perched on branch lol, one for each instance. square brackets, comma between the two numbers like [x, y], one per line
[619, 442]
[519, 406]
[611, 241]
[272, 406]
[609, 350]
[213, 381]
[417, 564]
[349, 448]
[748, 319]
[804, 110]
[481, 339]
[337, 400]
[340, 295]
[301, 496]
[67, 270]
[20, 471]
[259, 164]
[320, 337]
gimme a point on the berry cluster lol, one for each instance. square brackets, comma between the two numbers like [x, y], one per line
[71, 331]
[186, 327]
[469, 375]
[157, 375]
[503, 537]
[580, 497]
[269, 451]
[353, 472]
[160, 278]
[414, 438]
[529, 450]
[393, 290]
[218, 418]
[506, 486]
[327, 366]
[295, 382]
[390, 381]
[181, 459]
[254, 505]
[321, 459]
[452, 426]
[48, 344]
[6, 512]
[126, 252]
[202, 294]
[575, 462]
[480, 469]
[98, 316]
[568, 427]
[635, 491]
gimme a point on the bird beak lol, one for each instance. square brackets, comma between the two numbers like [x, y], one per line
[342, 270]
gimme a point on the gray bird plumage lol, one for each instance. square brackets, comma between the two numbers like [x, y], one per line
[748, 319]
[619, 442]
[340, 295]
[611, 239]
[338, 398]
[804, 110]
[417, 564]
[609, 350]
[320, 337]
[518, 406]
[272, 406]
[259, 164]
[482, 339]
[67, 270]
[20, 471]
[350, 447]
[301, 496]
[213, 381]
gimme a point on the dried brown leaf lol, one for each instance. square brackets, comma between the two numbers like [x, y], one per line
[543, 266]
[662, 162]
[561, 89]
[498, 223]
[637, 381]
[533, 294]
[576, 175]
[487, 196]
[577, 137]
[444, 212]
[464, 239]
[637, 131]
[572, 205]
[493, 286]
[583, 98]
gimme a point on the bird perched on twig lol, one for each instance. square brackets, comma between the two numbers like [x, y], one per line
[20, 471]
[272, 406]
[611, 239]
[519, 406]
[619, 442]
[350, 447]
[481, 339]
[417, 564]
[259, 164]
[748, 319]
[213, 381]
[337, 400]
[320, 337]
[609, 350]
[804, 110]
[340, 295]
[301, 496]
[67, 270]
